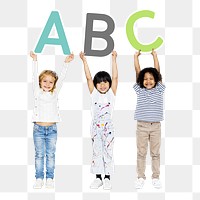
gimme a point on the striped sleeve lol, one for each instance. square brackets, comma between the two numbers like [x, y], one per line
[137, 88]
[160, 87]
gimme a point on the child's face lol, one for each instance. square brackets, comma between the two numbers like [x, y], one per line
[47, 83]
[103, 87]
[149, 81]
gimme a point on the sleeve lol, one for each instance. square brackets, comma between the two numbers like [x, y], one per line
[35, 77]
[111, 92]
[93, 92]
[161, 87]
[61, 77]
[92, 96]
[137, 88]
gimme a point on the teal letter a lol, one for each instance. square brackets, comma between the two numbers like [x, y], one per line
[54, 18]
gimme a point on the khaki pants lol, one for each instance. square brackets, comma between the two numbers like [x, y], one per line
[148, 132]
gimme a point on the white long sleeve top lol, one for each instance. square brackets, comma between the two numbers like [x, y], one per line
[46, 107]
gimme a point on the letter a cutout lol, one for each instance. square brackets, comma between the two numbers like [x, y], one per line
[54, 18]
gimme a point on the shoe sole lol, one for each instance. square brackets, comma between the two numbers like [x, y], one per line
[138, 188]
[37, 187]
[95, 187]
[107, 188]
[157, 187]
[49, 187]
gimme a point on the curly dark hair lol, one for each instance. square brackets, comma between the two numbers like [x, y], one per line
[102, 76]
[157, 76]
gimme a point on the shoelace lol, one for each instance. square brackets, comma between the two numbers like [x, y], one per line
[96, 181]
[107, 182]
[139, 182]
[38, 182]
[156, 183]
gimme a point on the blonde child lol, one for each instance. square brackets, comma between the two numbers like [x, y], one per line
[103, 90]
[45, 116]
[148, 113]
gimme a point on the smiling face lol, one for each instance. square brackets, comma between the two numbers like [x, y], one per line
[47, 83]
[149, 81]
[103, 87]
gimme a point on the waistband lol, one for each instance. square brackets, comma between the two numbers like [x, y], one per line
[45, 127]
[148, 123]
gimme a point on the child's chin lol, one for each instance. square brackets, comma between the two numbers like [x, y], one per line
[103, 92]
[148, 87]
[46, 90]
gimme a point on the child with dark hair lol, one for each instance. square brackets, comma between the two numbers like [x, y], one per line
[148, 113]
[103, 90]
[102, 76]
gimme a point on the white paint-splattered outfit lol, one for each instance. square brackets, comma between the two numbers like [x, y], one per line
[102, 132]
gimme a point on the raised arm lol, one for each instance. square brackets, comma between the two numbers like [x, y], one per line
[62, 75]
[136, 63]
[87, 72]
[155, 59]
[114, 73]
[35, 77]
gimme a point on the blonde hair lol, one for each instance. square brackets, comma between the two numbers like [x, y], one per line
[48, 73]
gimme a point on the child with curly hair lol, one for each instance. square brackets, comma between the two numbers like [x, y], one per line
[148, 113]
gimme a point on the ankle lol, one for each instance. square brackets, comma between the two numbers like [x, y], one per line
[99, 176]
[107, 176]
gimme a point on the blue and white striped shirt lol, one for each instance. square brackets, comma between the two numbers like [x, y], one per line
[149, 106]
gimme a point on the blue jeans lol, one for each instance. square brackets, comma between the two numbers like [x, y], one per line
[45, 138]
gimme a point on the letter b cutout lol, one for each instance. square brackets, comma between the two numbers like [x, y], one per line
[89, 34]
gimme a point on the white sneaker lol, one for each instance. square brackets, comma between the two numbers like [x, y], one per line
[107, 184]
[38, 183]
[96, 183]
[139, 183]
[156, 183]
[49, 183]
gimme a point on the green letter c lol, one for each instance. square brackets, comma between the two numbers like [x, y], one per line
[131, 36]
